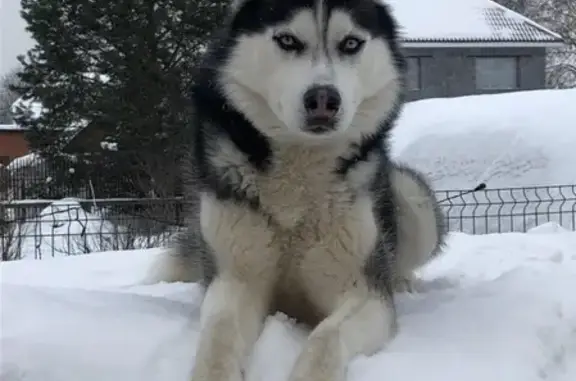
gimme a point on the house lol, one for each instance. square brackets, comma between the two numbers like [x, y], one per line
[453, 48]
[465, 47]
[13, 143]
[35, 109]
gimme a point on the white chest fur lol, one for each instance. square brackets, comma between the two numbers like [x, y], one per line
[300, 183]
[323, 228]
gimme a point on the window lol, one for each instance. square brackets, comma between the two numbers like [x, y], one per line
[497, 73]
[413, 73]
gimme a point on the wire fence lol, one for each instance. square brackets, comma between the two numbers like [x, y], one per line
[504, 210]
[36, 229]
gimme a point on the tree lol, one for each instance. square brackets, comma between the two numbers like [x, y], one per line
[7, 95]
[122, 67]
[559, 16]
[520, 6]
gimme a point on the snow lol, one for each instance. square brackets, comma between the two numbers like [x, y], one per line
[97, 77]
[109, 146]
[516, 139]
[9, 127]
[34, 107]
[48, 229]
[519, 18]
[458, 20]
[24, 161]
[65, 228]
[521, 140]
[428, 19]
[494, 307]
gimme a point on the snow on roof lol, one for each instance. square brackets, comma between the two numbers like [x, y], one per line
[437, 21]
[10, 127]
[24, 161]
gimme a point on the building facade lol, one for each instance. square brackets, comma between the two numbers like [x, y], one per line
[470, 47]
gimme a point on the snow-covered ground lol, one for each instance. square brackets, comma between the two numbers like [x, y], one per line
[494, 307]
[516, 140]
[64, 228]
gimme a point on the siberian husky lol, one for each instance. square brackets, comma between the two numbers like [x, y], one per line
[298, 207]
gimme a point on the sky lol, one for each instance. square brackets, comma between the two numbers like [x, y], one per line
[14, 39]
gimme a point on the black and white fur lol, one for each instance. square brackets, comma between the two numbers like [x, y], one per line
[297, 208]
[421, 234]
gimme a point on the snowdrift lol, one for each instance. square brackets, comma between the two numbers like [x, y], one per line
[517, 139]
[495, 307]
[514, 140]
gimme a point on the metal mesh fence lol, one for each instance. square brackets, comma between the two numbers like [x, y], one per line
[505, 210]
[71, 226]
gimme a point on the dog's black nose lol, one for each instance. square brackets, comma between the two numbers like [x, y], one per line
[322, 101]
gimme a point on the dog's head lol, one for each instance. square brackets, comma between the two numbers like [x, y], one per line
[310, 69]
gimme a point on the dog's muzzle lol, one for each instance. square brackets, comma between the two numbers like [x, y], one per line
[322, 104]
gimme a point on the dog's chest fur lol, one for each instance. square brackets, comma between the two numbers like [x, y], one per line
[302, 187]
[313, 229]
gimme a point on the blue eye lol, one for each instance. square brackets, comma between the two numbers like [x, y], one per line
[350, 45]
[288, 42]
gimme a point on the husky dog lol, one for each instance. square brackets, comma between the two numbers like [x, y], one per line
[298, 205]
[421, 235]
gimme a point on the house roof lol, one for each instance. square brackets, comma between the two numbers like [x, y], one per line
[481, 22]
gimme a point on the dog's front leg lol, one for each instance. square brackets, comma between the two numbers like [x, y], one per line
[233, 312]
[360, 325]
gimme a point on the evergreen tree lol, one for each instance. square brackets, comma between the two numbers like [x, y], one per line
[122, 67]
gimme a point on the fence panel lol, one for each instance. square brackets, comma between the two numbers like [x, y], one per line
[38, 229]
[509, 209]
[35, 229]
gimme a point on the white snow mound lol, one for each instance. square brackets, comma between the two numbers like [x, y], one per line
[495, 307]
[517, 139]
